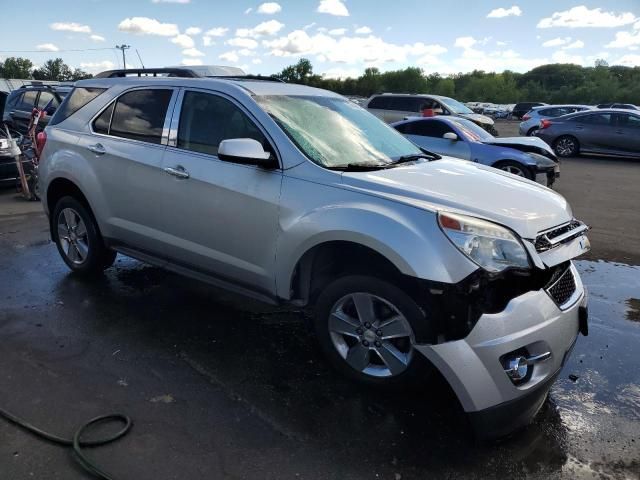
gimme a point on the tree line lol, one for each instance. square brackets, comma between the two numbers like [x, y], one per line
[553, 83]
[54, 69]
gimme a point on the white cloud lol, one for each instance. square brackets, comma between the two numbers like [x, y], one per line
[339, 72]
[563, 57]
[505, 12]
[148, 26]
[556, 42]
[333, 7]
[269, 8]
[363, 30]
[245, 52]
[628, 60]
[309, 25]
[256, 61]
[492, 61]
[97, 38]
[207, 41]
[192, 52]
[625, 40]
[242, 42]
[229, 57]
[185, 41]
[248, 11]
[191, 62]
[574, 45]
[193, 31]
[265, 28]
[501, 44]
[47, 47]
[337, 32]
[183, 2]
[216, 32]
[420, 48]
[95, 67]
[582, 16]
[70, 27]
[465, 42]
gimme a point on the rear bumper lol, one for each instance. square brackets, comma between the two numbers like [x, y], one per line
[473, 366]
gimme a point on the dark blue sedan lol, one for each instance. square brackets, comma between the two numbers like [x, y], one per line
[527, 157]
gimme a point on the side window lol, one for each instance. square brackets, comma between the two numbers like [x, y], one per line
[45, 98]
[28, 100]
[381, 103]
[629, 121]
[546, 112]
[101, 124]
[207, 119]
[140, 115]
[78, 98]
[14, 101]
[429, 128]
[603, 119]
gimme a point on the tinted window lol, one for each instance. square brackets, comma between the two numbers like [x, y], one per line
[28, 100]
[78, 98]
[629, 121]
[14, 100]
[546, 112]
[140, 114]
[428, 128]
[379, 102]
[405, 104]
[597, 119]
[101, 124]
[206, 120]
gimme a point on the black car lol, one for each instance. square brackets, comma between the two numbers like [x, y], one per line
[624, 106]
[523, 107]
[20, 103]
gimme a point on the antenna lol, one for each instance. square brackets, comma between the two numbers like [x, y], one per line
[139, 58]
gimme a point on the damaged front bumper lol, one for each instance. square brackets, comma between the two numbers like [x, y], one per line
[532, 324]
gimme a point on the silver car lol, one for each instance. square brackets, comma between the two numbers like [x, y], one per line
[295, 195]
[531, 120]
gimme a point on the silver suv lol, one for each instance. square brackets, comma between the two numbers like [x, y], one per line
[295, 195]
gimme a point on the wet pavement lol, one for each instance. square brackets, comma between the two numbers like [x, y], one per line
[222, 387]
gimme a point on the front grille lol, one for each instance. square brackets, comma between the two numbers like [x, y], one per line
[544, 241]
[562, 288]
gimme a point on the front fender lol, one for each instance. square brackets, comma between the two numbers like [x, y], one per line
[406, 236]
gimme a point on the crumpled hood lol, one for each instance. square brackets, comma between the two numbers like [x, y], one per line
[468, 188]
[532, 144]
[477, 118]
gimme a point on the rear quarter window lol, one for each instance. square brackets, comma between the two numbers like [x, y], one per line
[78, 98]
[381, 103]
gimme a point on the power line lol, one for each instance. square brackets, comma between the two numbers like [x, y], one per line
[49, 52]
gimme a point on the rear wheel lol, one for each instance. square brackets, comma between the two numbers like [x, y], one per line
[367, 328]
[532, 132]
[566, 146]
[76, 234]
[515, 168]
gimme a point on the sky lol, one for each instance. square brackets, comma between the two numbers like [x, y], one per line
[340, 37]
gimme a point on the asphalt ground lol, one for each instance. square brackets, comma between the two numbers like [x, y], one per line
[222, 387]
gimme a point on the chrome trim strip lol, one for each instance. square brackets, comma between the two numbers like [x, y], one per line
[566, 236]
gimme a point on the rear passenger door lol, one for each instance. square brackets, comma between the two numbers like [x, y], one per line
[220, 217]
[124, 150]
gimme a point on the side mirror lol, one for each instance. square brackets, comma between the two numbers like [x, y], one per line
[450, 136]
[244, 150]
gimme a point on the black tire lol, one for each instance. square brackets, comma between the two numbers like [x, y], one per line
[97, 257]
[566, 146]
[532, 131]
[492, 130]
[511, 165]
[417, 369]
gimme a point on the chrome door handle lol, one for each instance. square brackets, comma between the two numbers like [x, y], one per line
[177, 171]
[98, 149]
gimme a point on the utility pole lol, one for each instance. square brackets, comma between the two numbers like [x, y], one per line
[123, 47]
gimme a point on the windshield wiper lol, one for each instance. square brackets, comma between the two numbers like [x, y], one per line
[359, 167]
[416, 156]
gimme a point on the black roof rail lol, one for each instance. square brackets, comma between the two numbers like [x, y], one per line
[261, 78]
[154, 72]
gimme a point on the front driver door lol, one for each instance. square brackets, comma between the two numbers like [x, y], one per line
[220, 217]
[429, 134]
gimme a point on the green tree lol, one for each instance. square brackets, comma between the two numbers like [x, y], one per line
[16, 67]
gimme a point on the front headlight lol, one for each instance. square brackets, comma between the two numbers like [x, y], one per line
[491, 246]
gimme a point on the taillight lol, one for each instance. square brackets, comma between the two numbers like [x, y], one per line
[41, 139]
[526, 117]
[545, 124]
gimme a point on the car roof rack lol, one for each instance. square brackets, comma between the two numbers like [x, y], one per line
[260, 78]
[153, 72]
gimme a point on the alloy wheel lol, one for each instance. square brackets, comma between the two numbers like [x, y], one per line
[565, 147]
[371, 335]
[514, 170]
[72, 235]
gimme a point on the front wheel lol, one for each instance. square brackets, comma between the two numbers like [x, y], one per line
[566, 146]
[76, 234]
[515, 168]
[367, 328]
